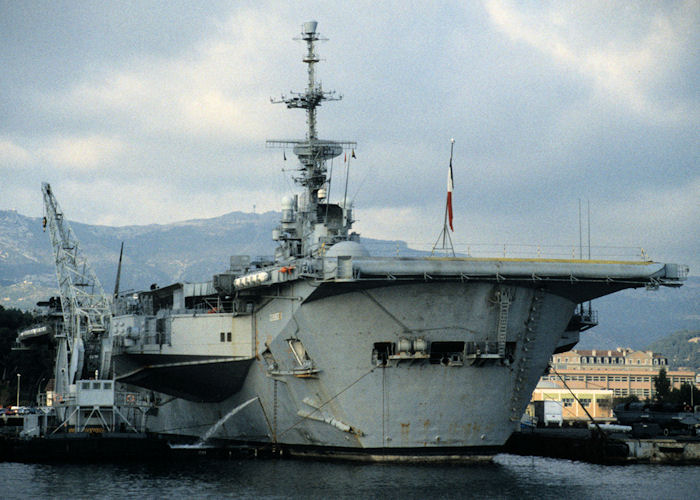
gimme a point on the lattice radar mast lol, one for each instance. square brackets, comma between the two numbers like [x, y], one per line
[312, 152]
[307, 237]
[84, 348]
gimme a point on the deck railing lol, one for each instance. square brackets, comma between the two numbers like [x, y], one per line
[508, 250]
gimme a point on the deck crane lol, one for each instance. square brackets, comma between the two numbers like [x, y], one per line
[84, 345]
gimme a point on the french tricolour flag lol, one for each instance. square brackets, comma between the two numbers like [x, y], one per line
[450, 185]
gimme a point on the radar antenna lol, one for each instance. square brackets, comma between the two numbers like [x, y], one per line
[312, 152]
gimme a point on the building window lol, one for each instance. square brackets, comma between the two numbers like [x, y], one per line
[228, 336]
[223, 337]
[585, 402]
[567, 401]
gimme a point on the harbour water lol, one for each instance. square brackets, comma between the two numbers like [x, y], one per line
[508, 476]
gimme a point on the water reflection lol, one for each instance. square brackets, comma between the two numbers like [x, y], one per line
[507, 477]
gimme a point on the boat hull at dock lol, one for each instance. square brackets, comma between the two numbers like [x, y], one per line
[398, 368]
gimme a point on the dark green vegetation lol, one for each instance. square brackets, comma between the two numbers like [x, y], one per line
[664, 393]
[681, 348]
[34, 366]
[625, 399]
[662, 385]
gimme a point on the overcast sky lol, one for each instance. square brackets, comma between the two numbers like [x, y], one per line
[153, 112]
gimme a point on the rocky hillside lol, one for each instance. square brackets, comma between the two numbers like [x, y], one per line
[682, 349]
[189, 251]
[192, 250]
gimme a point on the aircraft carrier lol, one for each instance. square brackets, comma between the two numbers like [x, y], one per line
[325, 349]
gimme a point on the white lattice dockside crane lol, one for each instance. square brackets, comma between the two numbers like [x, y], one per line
[85, 398]
[84, 346]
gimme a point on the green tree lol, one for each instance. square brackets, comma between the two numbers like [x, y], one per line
[662, 384]
[686, 395]
[632, 398]
[34, 366]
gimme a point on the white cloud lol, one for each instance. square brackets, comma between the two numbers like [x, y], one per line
[82, 153]
[625, 65]
[133, 201]
[12, 154]
[213, 91]
[73, 153]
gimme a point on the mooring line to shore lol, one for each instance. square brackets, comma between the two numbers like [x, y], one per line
[325, 403]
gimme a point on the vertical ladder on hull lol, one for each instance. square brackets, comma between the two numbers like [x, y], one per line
[502, 329]
[520, 367]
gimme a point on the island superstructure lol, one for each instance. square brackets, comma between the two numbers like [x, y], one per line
[325, 349]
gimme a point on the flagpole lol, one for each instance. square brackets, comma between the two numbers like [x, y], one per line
[445, 233]
[347, 176]
[444, 224]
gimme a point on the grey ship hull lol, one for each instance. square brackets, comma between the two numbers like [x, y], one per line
[348, 399]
